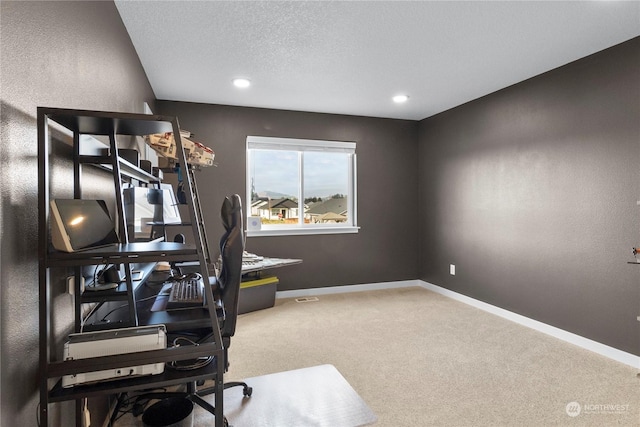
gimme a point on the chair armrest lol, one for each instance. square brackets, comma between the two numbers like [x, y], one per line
[220, 311]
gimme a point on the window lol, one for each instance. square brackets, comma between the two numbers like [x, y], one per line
[300, 186]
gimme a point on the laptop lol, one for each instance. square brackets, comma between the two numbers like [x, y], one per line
[79, 224]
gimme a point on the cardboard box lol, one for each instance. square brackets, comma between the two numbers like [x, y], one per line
[164, 144]
[257, 294]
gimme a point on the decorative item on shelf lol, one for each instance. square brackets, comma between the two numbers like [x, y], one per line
[164, 144]
[201, 155]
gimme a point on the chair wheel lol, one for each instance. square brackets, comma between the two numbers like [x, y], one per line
[247, 391]
[225, 422]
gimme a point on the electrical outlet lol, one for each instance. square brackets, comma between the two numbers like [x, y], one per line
[452, 269]
[71, 285]
[71, 288]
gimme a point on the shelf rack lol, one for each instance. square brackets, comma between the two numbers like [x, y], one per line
[110, 124]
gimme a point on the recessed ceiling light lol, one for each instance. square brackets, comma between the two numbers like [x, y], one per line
[399, 99]
[241, 83]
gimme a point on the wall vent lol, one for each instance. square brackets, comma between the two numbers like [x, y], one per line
[307, 299]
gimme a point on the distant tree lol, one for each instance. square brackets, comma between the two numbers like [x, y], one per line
[338, 196]
[254, 195]
[313, 199]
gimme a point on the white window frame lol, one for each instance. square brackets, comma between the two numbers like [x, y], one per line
[301, 146]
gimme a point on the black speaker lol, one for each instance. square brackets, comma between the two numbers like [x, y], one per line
[110, 275]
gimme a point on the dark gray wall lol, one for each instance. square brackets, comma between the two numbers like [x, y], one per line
[531, 192]
[386, 247]
[56, 54]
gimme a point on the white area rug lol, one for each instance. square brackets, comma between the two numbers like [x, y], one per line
[308, 397]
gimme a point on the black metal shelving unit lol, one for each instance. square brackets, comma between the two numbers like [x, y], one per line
[139, 255]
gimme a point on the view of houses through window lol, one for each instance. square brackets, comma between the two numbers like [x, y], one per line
[301, 183]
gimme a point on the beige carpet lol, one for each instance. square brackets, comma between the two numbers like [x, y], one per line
[420, 359]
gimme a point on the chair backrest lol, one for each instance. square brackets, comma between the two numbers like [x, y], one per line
[231, 250]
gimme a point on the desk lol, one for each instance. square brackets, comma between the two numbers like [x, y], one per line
[267, 263]
[174, 320]
[257, 292]
[153, 312]
[249, 266]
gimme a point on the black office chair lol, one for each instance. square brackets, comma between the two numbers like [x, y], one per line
[227, 283]
[226, 286]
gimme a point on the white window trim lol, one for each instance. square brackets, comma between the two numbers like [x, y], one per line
[295, 144]
[301, 231]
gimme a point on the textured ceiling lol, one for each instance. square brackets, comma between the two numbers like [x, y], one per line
[352, 57]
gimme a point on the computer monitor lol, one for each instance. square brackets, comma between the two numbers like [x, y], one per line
[78, 224]
[146, 207]
[170, 211]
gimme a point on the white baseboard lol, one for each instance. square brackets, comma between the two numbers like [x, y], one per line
[569, 337]
[586, 343]
[297, 293]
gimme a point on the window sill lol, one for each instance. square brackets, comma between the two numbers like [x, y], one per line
[300, 231]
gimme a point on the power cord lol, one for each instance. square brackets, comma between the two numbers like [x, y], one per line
[84, 320]
[191, 364]
[104, 318]
[86, 414]
[134, 405]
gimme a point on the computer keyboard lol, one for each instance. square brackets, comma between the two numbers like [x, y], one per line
[249, 257]
[187, 292]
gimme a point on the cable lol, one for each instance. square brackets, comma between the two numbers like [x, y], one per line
[104, 318]
[85, 412]
[189, 276]
[176, 344]
[191, 364]
[93, 309]
[95, 274]
[135, 405]
[147, 298]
